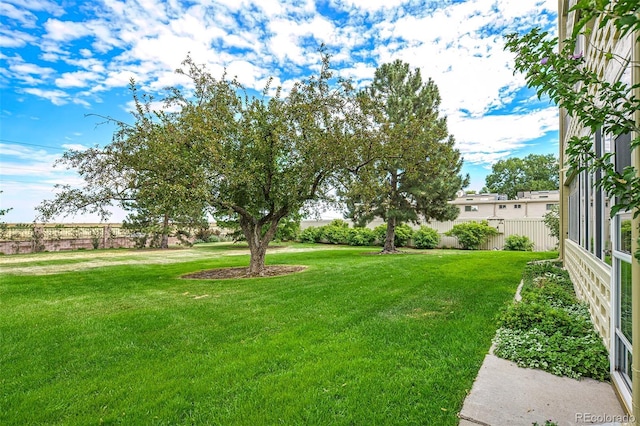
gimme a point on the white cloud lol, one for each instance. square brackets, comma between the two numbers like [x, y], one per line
[21, 67]
[27, 73]
[24, 17]
[483, 139]
[457, 43]
[75, 146]
[20, 152]
[369, 5]
[57, 97]
[247, 73]
[119, 79]
[23, 198]
[359, 72]
[39, 6]
[76, 79]
[66, 30]
[13, 39]
[467, 62]
[28, 177]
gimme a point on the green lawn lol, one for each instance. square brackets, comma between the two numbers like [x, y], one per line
[355, 339]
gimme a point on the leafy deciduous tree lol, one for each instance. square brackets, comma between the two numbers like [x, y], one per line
[148, 169]
[532, 173]
[252, 160]
[268, 157]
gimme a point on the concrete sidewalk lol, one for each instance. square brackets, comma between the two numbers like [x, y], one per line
[507, 395]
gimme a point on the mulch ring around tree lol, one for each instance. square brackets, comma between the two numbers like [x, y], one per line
[228, 273]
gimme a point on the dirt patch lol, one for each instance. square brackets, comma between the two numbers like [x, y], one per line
[227, 273]
[372, 253]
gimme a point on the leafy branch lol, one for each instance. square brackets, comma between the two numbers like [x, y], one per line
[598, 105]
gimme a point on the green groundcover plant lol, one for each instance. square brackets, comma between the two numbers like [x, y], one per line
[550, 329]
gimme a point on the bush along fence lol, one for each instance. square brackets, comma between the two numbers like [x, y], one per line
[510, 234]
[32, 238]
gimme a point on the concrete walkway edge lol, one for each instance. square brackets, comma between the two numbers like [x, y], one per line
[504, 394]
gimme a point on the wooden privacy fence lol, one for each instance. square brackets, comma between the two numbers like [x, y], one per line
[32, 238]
[533, 228]
[29, 238]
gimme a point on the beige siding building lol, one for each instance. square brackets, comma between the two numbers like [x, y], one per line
[530, 204]
[596, 248]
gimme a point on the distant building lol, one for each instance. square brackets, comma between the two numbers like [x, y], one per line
[529, 204]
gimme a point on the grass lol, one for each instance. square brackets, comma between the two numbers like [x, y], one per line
[354, 339]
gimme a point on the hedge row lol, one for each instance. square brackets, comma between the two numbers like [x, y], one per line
[339, 232]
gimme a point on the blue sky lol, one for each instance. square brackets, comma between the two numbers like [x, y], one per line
[61, 61]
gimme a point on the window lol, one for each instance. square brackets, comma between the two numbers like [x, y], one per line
[599, 224]
[517, 206]
[622, 152]
[574, 210]
[621, 297]
[470, 208]
[622, 282]
[502, 206]
[550, 206]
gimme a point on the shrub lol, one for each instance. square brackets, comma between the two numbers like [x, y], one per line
[336, 232]
[471, 235]
[426, 238]
[288, 229]
[205, 234]
[546, 290]
[518, 243]
[550, 270]
[311, 234]
[338, 223]
[361, 237]
[402, 235]
[552, 221]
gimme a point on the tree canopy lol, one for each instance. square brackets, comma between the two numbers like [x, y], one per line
[249, 159]
[148, 169]
[268, 156]
[534, 172]
[410, 169]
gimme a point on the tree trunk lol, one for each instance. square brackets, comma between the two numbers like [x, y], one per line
[389, 241]
[256, 263]
[258, 243]
[164, 242]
